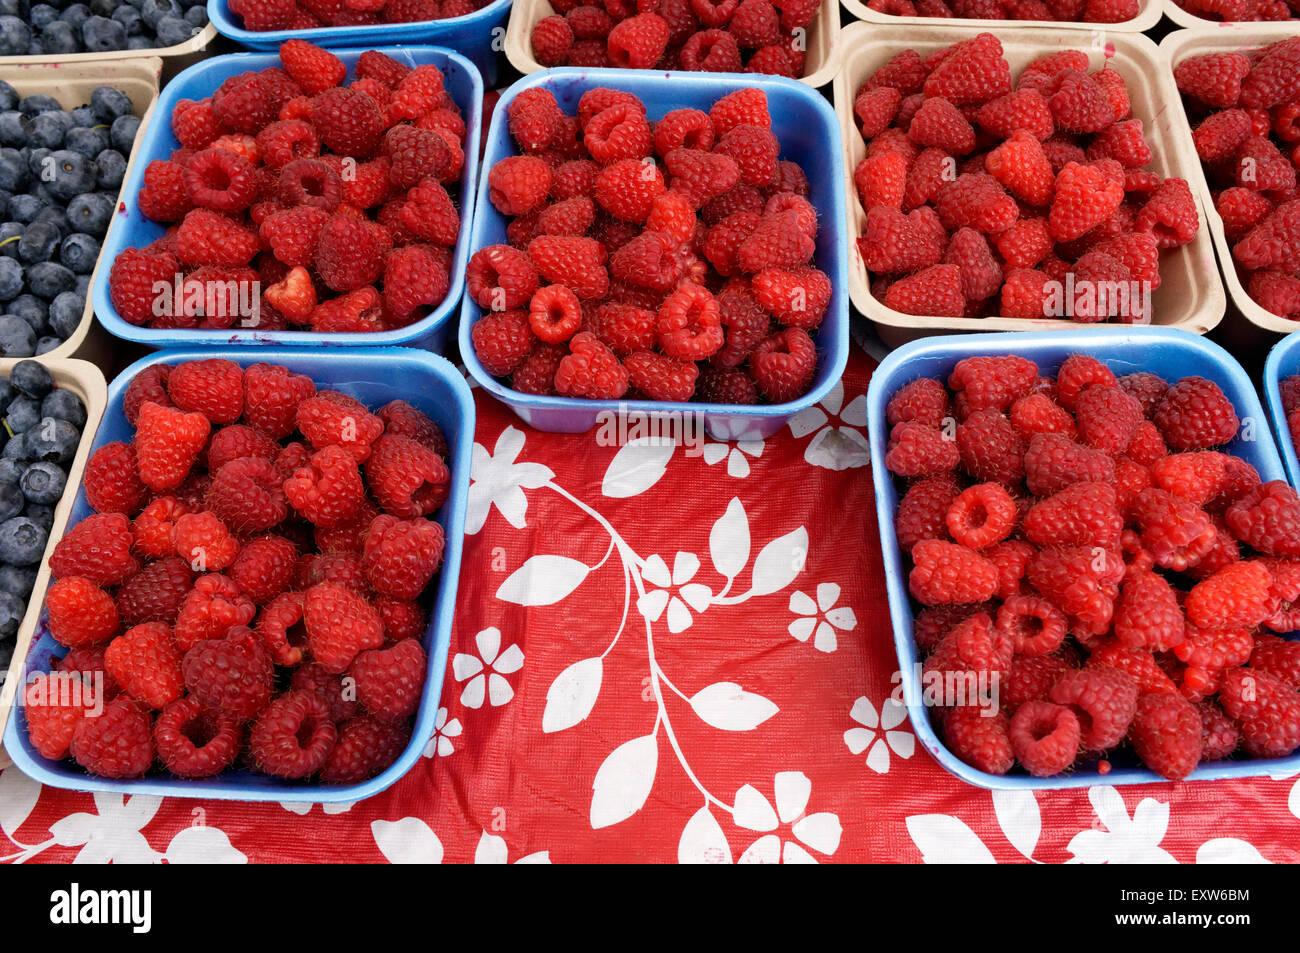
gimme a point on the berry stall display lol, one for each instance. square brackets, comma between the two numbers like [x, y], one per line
[1243, 106]
[670, 259]
[60, 174]
[101, 26]
[1239, 11]
[1024, 198]
[43, 424]
[1063, 11]
[329, 201]
[1082, 537]
[258, 540]
[263, 15]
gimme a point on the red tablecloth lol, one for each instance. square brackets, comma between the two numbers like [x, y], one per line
[659, 657]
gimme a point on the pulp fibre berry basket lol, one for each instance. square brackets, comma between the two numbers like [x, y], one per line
[1148, 15]
[1218, 38]
[805, 126]
[1283, 362]
[478, 36]
[131, 229]
[72, 85]
[1190, 296]
[822, 52]
[184, 53]
[1168, 352]
[1190, 21]
[374, 376]
[87, 382]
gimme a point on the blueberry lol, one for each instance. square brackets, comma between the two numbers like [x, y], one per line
[13, 170]
[90, 213]
[197, 16]
[102, 35]
[57, 4]
[34, 48]
[7, 392]
[66, 311]
[49, 129]
[17, 339]
[31, 309]
[11, 471]
[15, 36]
[8, 97]
[39, 242]
[81, 287]
[63, 404]
[22, 541]
[32, 378]
[44, 345]
[140, 43]
[83, 117]
[12, 610]
[61, 37]
[76, 14]
[155, 10]
[22, 414]
[109, 103]
[24, 208]
[47, 280]
[10, 232]
[52, 440]
[73, 174]
[122, 134]
[89, 142]
[42, 15]
[79, 253]
[15, 128]
[17, 581]
[11, 278]
[41, 515]
[12, 501]
[110, 170]
[174, 30]
[35, 159]
[39, 103]
[55, 216]
[43, 483]
[11, 8]
[130, 18]
[15, 448]
[102, 8]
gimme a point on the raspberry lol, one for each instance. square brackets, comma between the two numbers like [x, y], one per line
[917, 450]
[1278, 657]
[55, 706]
[293, 736]
[329, 491]
[976, 200]
[415, 154]
[286, 140]
[1167, 734]
[936, 290]
[755, 151]
[618, 132]
[688, 325]
[246, 495]
[348, 121]
[235, 441]
[1219, 733]
[156, 592]
[1272, 79]
[627, 190]
[403, 420]
[389, 681]
[271, 397]
[1038, 413]
[875, 109]
[1012, 559]
[502, 341]
[339, 624]
[343, 569]
[1084, 197]
[993, 383]
[211, 609]
[946, 573]
[982, 742]
[1078, 372]
[232, 675]
[573, 216]
[1195, 414]
[1241, 210]
[1081, 581]
[981, 516]
[590, 370]
[1273, 242]
[203, 541]
[112, 481]
[1023, 168]
[1107, 418]
[893, 243]
[349, 253]
[213, 388]
[743, 107]
[1220, 135]
[80, 613]
[981, 273]
[132, 279]
[1045, 737]
[1053, 462]
[244, 103]
[990, 448]
[146, 663]
[164, 197]
[194, 742]
[638, 42]
[335, 418]
[1176, 532]
[783, 365]
[403, 618]
[1103, 700]
[500, 278]
[881, 179]
[407, 478]
[117, 743]
[292, 234]
[98, 548]
[940, 124]
[365, 747]
[1030, 678]
[552, 39]
[536, 374]
[1147, 613]
[310, 182]
[923, 400]
[357, 311]
[1146, 388]
[1084, 514]
[701, 176]
[1170, 214]
[1035, 626]
[1213, 78]
[1024, 109]
[312, 68]
[972, 646]
[578, 263]
[1266, 708]
[221, 180]
[194, 124]
[1237, 596]
[206, 237]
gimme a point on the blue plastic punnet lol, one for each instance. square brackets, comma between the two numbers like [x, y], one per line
[1165, 351]
[1283, 361]
[809, 134]
[479, 35]
[374, 376]
[130, 229]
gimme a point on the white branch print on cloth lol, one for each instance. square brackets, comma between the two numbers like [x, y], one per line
[879, 733]
[663, 595]
[832, 447]
[821, 618]
[484, 674]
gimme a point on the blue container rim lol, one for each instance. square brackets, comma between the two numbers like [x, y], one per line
[1283, 360]
[221, 16]
[438, 633]
[1101, 342]
[837, 355]
[117, 241]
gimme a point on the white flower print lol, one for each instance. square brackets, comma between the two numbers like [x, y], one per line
[693, 594]
[496, 480]
[834, 448]
[492, 850]
[821, 617]
[440, 742]
[879, 733]
[486, 677]
[1123, 839]
[303, 808]
[737, 465]
[754, 812]
[113, 835]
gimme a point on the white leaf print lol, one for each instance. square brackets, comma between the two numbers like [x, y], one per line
[543, 581]
[943, 839]
[203, 845]
[729, 540]
[623, 782]
[702, 840]
[572, 695]
[1228, 850]
[727, 706]
[408, 841]
[636, 467]
[1021, 821]
[491, 850]
[779, 562]
[1293, 801]
[18, 795]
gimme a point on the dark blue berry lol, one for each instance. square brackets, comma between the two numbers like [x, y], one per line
[173, 31]
[11, 278]
[39, 242]
[130, 18]
[122, 134]
[42, 15]
[40, 514]
[39, 103]
[31, 309]
[43, 483]
[17, 339]
[197, 15]
[24, 208]
[11, 471]
[22, 541]
[109, 103]
[82, 287]
[79, 253]
[155, 10]
[141, 42]
[83, 117]
[15, 37]
[47, 344]
[66, 311]
[110, 170]
[63, 404]
[48, 280]
[49, 129]
[8, 97]
[89, 142]
[12, 501]
[15, 128]
[15, 448]
[32, 378]
[36, 165]
[90, 213]
[102, 8]
[76, 14]
[52, 440]
[55, 216]
[61, 37]
[21, 414]
[18, 581]
[13, 170]
[102, 35]
[73, 174]
[12, 610]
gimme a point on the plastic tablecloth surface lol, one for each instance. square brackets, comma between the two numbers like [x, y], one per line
[668, 654]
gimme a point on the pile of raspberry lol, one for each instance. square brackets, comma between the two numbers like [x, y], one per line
[251, 586]
[263, 15]
[982, 198]
[1087, 11]
[1081, 540]
[714, 36]
[669, 259]
[1244, 108]
[1290, 393]
[1239, 11]
[334, 198]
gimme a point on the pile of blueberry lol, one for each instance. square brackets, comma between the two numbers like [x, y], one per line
[60, 173]
[101, 26]
[42, 429]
